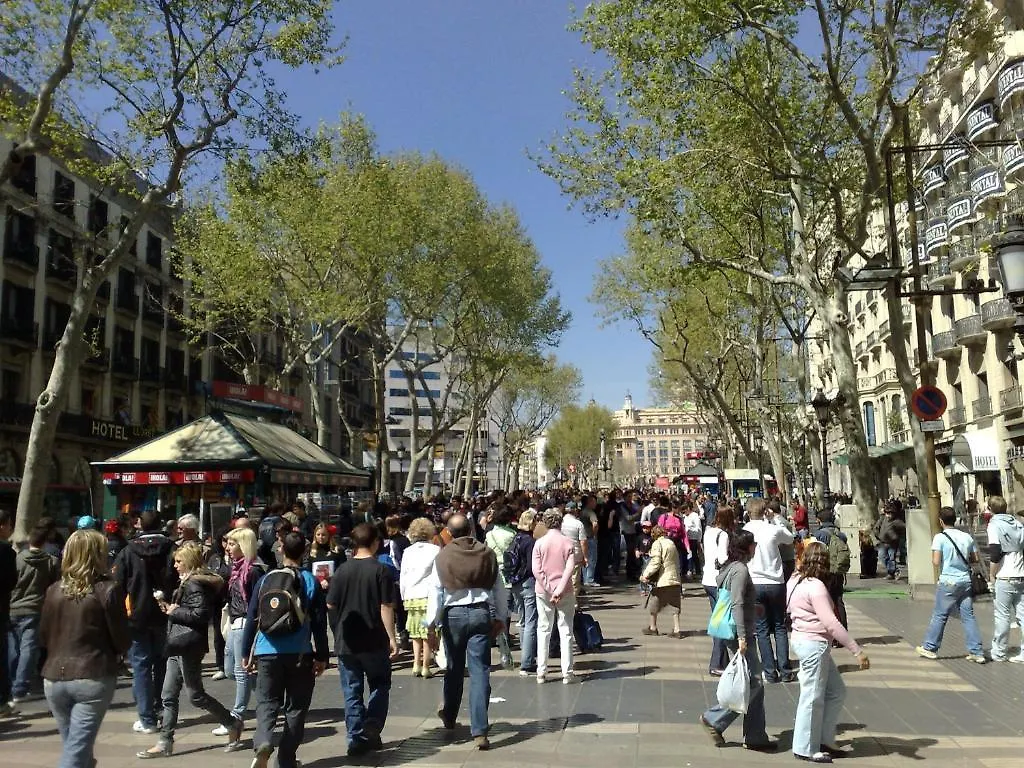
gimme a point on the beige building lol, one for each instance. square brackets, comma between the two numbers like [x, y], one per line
[966, 194]
[655, 441]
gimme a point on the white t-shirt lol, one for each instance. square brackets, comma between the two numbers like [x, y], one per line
[572, 529]
[766, 565]
[645, 513]
[716, 547]
[693, 523]
[1012, 564]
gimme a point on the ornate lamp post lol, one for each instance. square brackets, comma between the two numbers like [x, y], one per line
[401, 453]
[822, 411]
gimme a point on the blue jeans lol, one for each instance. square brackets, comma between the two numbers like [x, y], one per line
[284, 687]
[771, 622]
[719, 654]
[887, 555]
[148, 658]
[1008, 602]
[951, 598]
[78, 707]
[753, 722]
[234, 667]
[364, 722]
[525, 597]
[591, 571]
[822, 692]
[22, 652]
[467, 638]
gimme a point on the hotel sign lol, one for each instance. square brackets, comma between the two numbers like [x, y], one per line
[1013, 158]
[981, 120]
[959, 212]
[933, 178]
[1010, 81]
[987, 182]
[954, 155]
[936, 235]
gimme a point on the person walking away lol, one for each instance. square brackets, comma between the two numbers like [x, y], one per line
[217, 560]
[716, 552]
[469, 604]
[554, 558]
[815, 627]
[573, 530]
[188, 614]
[363, 596]
[8, 581]
[629, 528]
[518, 573]
[588, 516]
[839, 555]
[735, 577]
[953, 552]
[286, 627]
[786, 551]
[37, 571]
[766, 575]
[498, 540]
[84, 629]
[144, 569]
[1006, 572]
[888, 539]
[246, 571]
[417, 566]
[662, 571]
[693, 522]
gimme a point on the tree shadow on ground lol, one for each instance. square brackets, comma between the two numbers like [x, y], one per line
[868, 746]
[881, 640]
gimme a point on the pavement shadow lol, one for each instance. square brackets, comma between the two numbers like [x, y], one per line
[881, 640]
[607, 670]
[882, 746]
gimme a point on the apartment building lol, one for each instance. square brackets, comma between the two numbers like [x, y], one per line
[650, 442]
[966, 192]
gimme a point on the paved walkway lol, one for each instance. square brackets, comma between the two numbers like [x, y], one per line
[636, 705]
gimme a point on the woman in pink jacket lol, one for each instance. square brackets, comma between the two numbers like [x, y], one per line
[554, 557]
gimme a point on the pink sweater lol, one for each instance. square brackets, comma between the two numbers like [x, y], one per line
[813, 616]
[554, 557]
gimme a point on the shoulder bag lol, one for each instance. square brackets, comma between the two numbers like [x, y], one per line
[979, 585]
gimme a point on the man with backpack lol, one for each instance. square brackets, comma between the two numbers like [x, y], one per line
[835, 541]
[145, 571]
[517, 569]
[1006, 571]
[287, 629]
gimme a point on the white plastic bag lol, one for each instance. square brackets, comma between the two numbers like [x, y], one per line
[734, 685]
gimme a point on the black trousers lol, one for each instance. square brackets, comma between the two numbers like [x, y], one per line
[284, 683]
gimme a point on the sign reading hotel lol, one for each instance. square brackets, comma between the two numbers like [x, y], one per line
[933, 178]
[936, 236]
[1010, 81]
[987, 182]
[959, 212]
[981, 120]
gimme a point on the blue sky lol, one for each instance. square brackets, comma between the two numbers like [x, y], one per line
[480, 83]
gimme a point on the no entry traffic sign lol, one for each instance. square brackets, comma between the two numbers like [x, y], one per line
[928, 403]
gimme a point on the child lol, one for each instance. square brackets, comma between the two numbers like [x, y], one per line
[643, 552]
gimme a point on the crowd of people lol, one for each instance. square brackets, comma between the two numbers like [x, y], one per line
[279, 594]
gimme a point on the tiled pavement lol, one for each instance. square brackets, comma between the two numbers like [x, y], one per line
[636, 705]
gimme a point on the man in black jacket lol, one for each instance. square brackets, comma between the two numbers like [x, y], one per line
[145, 571]
[8, 579]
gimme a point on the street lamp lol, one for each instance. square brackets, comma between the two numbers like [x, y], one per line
[822, 411]
[401, 453]
[1010, 254]
[603, 465]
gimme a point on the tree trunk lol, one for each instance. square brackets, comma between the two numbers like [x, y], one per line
[316, 401]
[474, 420]
[383, 449]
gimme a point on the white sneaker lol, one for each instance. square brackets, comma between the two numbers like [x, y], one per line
[1017, 659]
[569, 679]
[541, 679]
[9, 710]
[138, 727]
[218, 675]
[220, 730]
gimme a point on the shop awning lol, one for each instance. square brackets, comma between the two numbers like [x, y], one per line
[976, 451]
[701, 470]
[225, 441]
[874, 452]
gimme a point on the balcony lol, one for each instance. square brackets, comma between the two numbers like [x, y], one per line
[16, 414]
[944, 345]
[860, 350]
[986, 231]
[874, 341]
[865, 383]
[1010, 398]
[152, 312]
[970, 331]
[61, 271]
[175, 380]
[151, 374]
[962, 255]
[982, 407]
[19, 332]
[887, 376]
[858, 308]
[957, 416]
[127, 301]
[22, 253]
[97, 360]
[998, 314]
[883, 330]
[939, 273]
[124, 366]
[908, 314]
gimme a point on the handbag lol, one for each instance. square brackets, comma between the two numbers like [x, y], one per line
[979, 584]
[721, 625]
[180, 637]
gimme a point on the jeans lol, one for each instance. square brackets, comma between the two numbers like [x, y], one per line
[550, 615]
[950, 598]
[218, 638]
[821, 697]
[771, 622]
[1008, 602]
[22, 652]
[284, 683]
[696, 557]
[78, 707]
[365, 721]
[149, 662]
[753, 722]
[234, 666]
[525, 597]
[187, 670]
[604, 558]
[5, 668]
[466, 632]
[591, 571]
[887, 555]
[632, 564]
[719, 654]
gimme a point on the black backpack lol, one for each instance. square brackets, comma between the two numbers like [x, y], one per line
[517, 566]
[282, 601]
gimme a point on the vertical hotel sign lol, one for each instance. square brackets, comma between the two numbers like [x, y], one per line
[933, 178]
[981, 120]
[1010, 81]
[936, 235]
[987, 182]
[1013, 157]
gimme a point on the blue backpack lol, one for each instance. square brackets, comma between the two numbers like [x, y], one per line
[587, 632]
[721, 626]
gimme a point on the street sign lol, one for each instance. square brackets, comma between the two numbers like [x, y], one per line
[933, 426]
[928, 403]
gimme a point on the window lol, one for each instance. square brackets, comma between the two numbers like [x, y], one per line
[98, 215]
[24, 177]
[400, 411]
[10, 386]
[869, 422]
[431, 375]
[55, 320]
[154, 251]
[396, 373]
[63, 195]
[124, 343]
[149, 358]
[126, 298]
[133, 247]
[398, 393]
[435, 393]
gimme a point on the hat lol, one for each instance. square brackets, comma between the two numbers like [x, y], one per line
[111, 526]
[526, 521]
[85, 522]
[571, 506]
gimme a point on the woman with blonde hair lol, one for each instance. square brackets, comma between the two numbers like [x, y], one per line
[815, 626]
[84, 629]
[188, 615]
[664, 569]
[324, 548]
[414, 587]
[246, 570]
